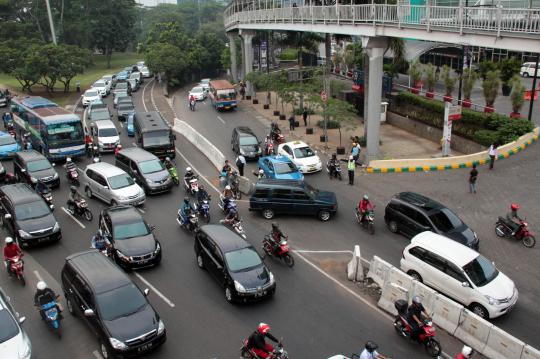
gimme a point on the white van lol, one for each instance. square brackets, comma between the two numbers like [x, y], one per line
[527, 70]
[459, 273]
[106, 135]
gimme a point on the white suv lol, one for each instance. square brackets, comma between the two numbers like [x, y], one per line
[527, 69]
[459, 273]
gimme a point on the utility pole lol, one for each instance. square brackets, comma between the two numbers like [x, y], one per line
[326, 85]
[51, 23]
[531, 102]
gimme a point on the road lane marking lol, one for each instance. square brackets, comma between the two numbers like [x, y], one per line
[75, 219]
[97, 355]
[140, 210]
[219, 118]
[122, 124]
[161, 295]
[144, 89]
[196, 170]
[329, 252]
[38, 276]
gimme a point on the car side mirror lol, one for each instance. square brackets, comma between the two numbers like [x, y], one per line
[465, 284]
[152, 228]
[23, 170]
[7, 216]
[89, 313]
[146, 292]
[21, 320]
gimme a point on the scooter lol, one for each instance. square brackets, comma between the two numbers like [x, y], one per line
[73, 175]
[337, 170]
[192, 224]
[16, 267]
[46, 194]
[192, 105]
[236, 225]
[174, 175]
[278, 353]
[192, 186]
[50, 313]
[204, 209]
[230, 205]
[503, 230]
[282, 252]
[368, 221]
[80, 208]
[426, 335]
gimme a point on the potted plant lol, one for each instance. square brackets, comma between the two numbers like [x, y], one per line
[449, 83]
[490, 87]
[416, 75]
[469, 79]
[431, 77]
[508, 68]
[517, 96]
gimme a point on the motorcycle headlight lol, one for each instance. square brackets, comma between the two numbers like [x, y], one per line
[24, 234]
[33, 179]
[271, 277]
[161, 327]
[56, 227]
[239, 287]
[117, 344]
[492, 301]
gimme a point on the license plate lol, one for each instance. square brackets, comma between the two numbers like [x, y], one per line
[227, 107]
[261, 294]
[144, 261]
[43, 239]
[145, 347]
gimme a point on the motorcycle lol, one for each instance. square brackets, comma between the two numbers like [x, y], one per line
[230, 205]
[192, 222]
[278, 353]
[503, 230]
[368, 222]
[192, 105]
[235, 187]
[46, 194]
[236, 225]
[426, 334]
[174, 175]
[337, 170]
[49, 312]
[16, 268]
[269, 149]
[10, 128]
[73, 175]
[282, 252]
[204, 209]
[80, 208]
[10, 178]
[192, 186]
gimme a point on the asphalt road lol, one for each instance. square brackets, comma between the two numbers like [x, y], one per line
[316, 316]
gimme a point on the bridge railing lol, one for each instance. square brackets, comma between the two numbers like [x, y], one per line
[448, 18]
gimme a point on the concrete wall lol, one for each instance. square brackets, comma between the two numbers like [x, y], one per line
[431, 133]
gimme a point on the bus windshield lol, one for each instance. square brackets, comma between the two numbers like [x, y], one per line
[156, 138]
[64, 133]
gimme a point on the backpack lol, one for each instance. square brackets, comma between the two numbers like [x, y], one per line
[238, 162]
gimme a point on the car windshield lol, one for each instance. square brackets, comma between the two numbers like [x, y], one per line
[284, 167]
[38, 165]
[481, 271]
[107, 132]
[64, 133]
[120, 302]
[90, 93]
[197, 90]
[7, 140]
[242, 259]
[156, 138]
[8, 326]
[130, 230]
[124, 99]
[248, 141]
[151, 166]
[120, 181]
[126, 107]
[31, 210]
[445, 220]
[99, 84]
[302, 152]
[134, 75]
[121, 86]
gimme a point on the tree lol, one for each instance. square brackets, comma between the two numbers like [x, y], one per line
[167, 59]
[75, 61]
[337, 110]
[517, 94]
[469, 79]
[449, 80]
[213, 47]
[490, 86]
[431, 77]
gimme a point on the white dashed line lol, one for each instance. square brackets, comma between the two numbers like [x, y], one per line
[140, 210]
[38, 276]
[219, 118]
[97, 355]
[144, 89]
[165, 299]
[75, 219]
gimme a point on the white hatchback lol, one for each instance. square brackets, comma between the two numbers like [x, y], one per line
[197, 92]
[301, 155]
[101, 87]
[90, 95]
[459, 273]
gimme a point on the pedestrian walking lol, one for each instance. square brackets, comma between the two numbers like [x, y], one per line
[240, 163]
[304, 117]
[243, 90]
[473, 177]
[292, 120]
[351, 166]
[492, 154]
[355, 152]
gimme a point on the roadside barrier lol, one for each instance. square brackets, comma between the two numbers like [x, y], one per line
[390, 293]
[378, 271]
[426, 293]
[530, 353]
[395, 275]
[355, 270]
[473, 330]
[446, 313]
[501, 345]
[206, 147]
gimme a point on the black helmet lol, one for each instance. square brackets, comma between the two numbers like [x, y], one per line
[334, 155]
[73, 189]
[371, 346]
[186, 200]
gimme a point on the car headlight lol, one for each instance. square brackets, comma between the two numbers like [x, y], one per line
[27, 353]
[475, 235]
[55, 175]
[33, 179]
[271, 276]
[100, 144]
[24, 234]
[492, 301]
[56, 227]
[239, 287]
[158, 248]
[242, 151]
[161, 327]
[117, 344]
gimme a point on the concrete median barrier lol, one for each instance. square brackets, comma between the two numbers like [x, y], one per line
[390, 293]
[446, 313]
[355, 270]
[530, 353]
[378, 270]
[473, 330]
[426, 293]
[202, 143]
[501, 345]
[400, 278]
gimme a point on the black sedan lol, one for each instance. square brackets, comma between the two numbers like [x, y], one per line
[234, 263]
[244, 141]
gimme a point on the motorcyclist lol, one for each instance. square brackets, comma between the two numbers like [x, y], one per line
[232, 216]
[466, 353]
[100, 241]
[11, 250]
[45, 295]
[513, 218]
[185, 210]
[74, 196]
[257, 342]
[188, 176]
[370, 351]
[192, 102]
[70, 166]
[234, 182]
[364, 206]
[260, 174]
[332, 164]
[276, 235]
[225, 169]
[168, 163]
[202, 194]
[117, 149]
[414, 316]
[227, 195]
[41, 187]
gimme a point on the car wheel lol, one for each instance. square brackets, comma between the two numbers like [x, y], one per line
[479, 310]
[104, 350]
[525, 74]
[200, 261]
[229, 294]
[268, 213]
[69, 305]
[415, 275]
[88, 192]
[392, 226]
[324, 215]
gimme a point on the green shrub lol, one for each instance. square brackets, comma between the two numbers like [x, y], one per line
[513, 129]
[485, 137]
[289, 54]
[330, 124]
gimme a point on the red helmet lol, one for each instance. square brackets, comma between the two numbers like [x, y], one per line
[514, 206]
[263, 328]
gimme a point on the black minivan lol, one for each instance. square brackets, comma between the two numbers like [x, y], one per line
[31, 166]
[116, 310]
[145, 168]
[244, 141]
[273, 196]
[412, 213]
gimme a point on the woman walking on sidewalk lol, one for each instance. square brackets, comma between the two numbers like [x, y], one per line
[473, 177]
[492, 154]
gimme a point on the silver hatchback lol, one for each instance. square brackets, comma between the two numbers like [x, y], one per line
[14, 342]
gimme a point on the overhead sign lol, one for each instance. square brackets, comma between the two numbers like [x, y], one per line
[454, 113]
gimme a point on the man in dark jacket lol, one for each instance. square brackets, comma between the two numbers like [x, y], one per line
[257, 343]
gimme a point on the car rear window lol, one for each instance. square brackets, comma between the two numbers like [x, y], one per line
[8, 327]
[248, 141]
[7, 140]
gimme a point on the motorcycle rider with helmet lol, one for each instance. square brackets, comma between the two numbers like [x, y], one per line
[74, 196]
[11, 250]
[332, 164]
[41, 187]
[466, 353]
[227, 195]
[364, 206]
[258, 344]
[275, 235]
[414, 316]
[45, 295]
[168, 163]
[202, 194]
[232, 217]
[185, 209]
[188, 176]
[370, 351]
[70, 166]
[100, 241]
[117, 149]
[513, 218]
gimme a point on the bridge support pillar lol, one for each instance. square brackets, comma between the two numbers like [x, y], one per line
[232, 48]
[375, 48]
[247, 37]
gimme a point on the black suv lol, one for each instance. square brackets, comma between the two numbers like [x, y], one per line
[31, 166]
[146, 168]
[116, 310]
[26, 216]
[234, 263]
[134, 244]
[273, 196]
[245, 142]
[411, 213]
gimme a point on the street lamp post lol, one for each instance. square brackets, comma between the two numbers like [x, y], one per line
[51, 23]
[531, 102]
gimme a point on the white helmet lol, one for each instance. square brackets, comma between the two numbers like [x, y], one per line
[227, 187]
[261, 171]
[68, 159]
[41, 285]
[9, 240]
[188, 169]
[466, 351]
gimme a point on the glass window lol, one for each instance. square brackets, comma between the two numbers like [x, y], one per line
[122, 159]
[100, 115]
[300, 195]
[107, 132]
[303, 152]
[130, 230]
[197, 90]
[242, 259]
[39, 165]
[284, 167]
[287, 149]
[408, 212]
[157, 138]
[121, 86]
[66, 132]
[91, 93]
[454, 272]
[248, 141]
[435, 261]
[481, 271]
[31, 210]
[282, 193]
[445, 220]
[126, 107]
[8, 326]
[312, 192]
[7, 140]
[120, 302]
[151, 166]
[120, 181]
[261, 193]
[418, 252]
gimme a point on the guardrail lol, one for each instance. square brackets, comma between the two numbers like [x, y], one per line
[499, 20]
